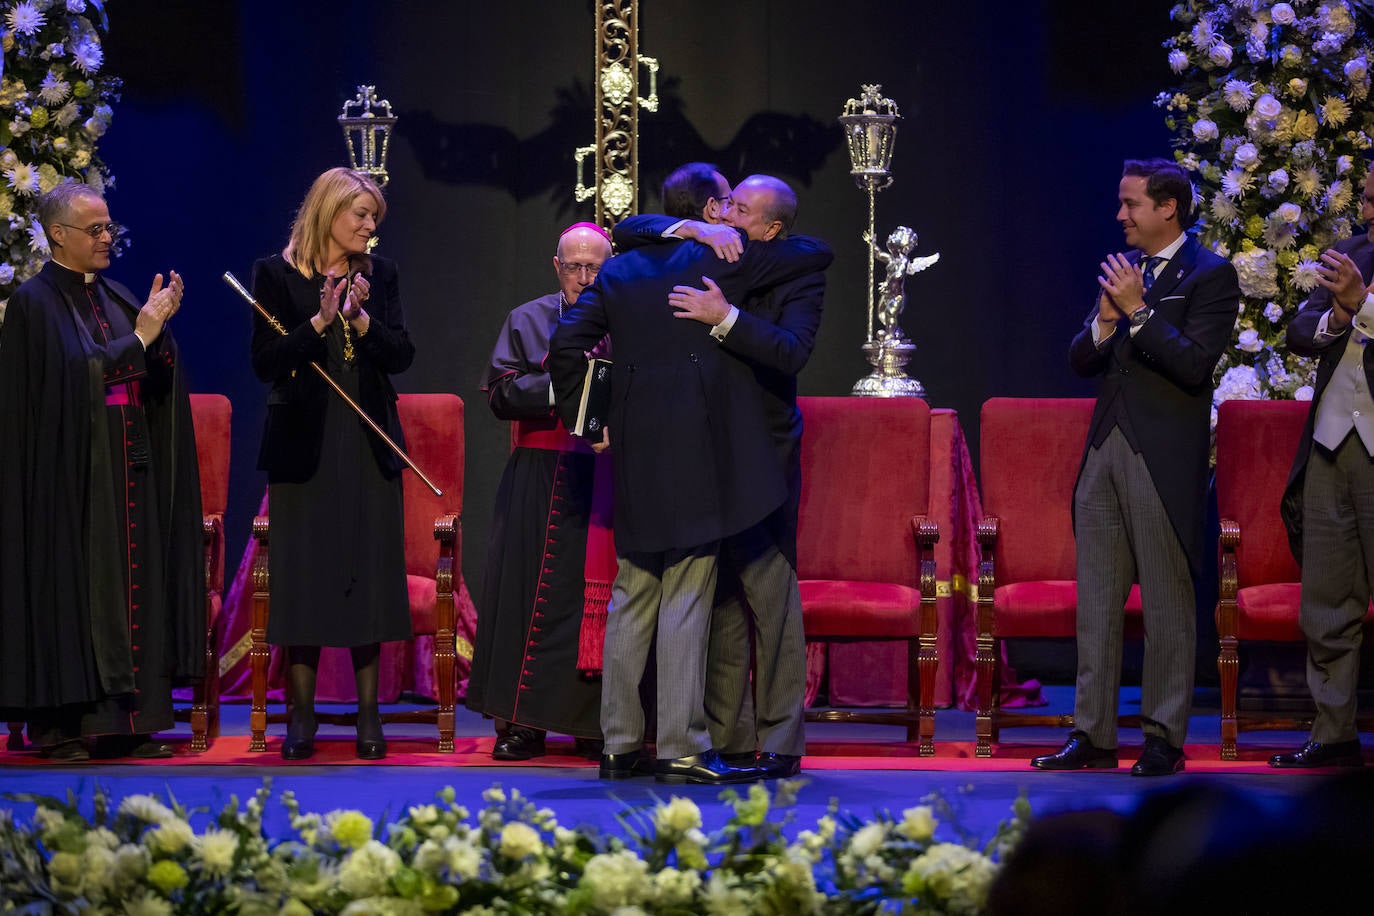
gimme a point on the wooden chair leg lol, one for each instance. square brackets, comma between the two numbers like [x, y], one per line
[985, 654]
[1228, 623]
[445, 654]
[258, 654]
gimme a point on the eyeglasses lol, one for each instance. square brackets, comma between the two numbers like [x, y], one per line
[96, 230]
[574, 269]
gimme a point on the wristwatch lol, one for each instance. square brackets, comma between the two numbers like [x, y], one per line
[1141, 315]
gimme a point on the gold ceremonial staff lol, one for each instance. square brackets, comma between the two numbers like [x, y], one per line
[272, 320]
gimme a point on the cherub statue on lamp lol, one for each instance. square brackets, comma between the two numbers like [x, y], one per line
[889, 350]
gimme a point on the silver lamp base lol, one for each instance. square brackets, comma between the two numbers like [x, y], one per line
[888, 378]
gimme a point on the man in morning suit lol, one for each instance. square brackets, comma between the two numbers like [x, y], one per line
[1163, 316]
[773, 333]
[102, 579]
[694, 463]
[1329, 502]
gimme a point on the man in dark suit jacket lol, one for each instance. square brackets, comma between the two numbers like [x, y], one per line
[773, 333]
[1329, 500]
[1163, 316]
[693, 464]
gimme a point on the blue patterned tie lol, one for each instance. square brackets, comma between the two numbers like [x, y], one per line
[1148, 271]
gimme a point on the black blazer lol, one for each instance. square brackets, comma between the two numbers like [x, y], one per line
[1163, 376]
[294, 432]
[694, 461]
[1302, 340]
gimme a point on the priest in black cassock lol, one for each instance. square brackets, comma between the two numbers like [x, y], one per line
[102, 583]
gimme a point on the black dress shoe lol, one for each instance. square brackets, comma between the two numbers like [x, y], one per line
[370, 748]
[1316, 754]
[299, 743]
[741, 759]
[71, 751]
[1158, 758]
[588, 748]
[150, 750]
[779, 766]
[706, 768]
[519, 743]
[1078, 753]
[138, 747]
[626, 765]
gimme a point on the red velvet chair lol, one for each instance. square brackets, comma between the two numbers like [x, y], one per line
[210, 414]
[1260, 583]
[866, 546]
[1031, 449]
[433, 425]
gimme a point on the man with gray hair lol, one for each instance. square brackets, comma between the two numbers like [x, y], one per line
[102, 582]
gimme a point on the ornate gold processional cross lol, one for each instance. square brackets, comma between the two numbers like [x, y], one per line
[616, 183]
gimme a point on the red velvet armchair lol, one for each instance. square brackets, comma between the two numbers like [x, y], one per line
[1031, 449]
[1260, 583]
[433, 425]
[865, 544]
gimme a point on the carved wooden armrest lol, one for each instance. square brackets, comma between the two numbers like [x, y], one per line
[987, 532]
[927, 534]
[1228, 580]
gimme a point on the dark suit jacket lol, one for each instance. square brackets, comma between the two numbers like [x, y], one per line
[1163, 377]
[294, 432]
[1302, 340]
[694, 459]
[774, 334]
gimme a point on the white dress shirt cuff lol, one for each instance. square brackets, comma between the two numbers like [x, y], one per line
[671, 231]
[726, 323]
[1098, 337]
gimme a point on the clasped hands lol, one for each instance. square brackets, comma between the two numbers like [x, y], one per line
[1339, 274]
[1123, 289]
[163, 302]
[333, 302]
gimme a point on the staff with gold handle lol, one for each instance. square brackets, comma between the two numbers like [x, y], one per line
[372, 424]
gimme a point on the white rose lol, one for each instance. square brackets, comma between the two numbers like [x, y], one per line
[680, 814]
[1304, 393]
[917, 823]
[1249, 341]
[1220, 54]
[1205, 130]
[867, 840]
[1178, 61]
[1297, 86]
[519, 840]
[1268, 107]
[1246, 155]
[1283, 14]
[1356, 70]
[1289, 212]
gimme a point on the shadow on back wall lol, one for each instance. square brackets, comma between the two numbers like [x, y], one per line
[1015, 124]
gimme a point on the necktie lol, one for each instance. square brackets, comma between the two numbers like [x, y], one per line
[1148, 271]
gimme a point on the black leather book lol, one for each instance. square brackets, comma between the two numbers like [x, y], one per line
[596, 399]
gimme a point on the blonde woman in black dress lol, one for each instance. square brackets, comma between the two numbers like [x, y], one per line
[338, 573]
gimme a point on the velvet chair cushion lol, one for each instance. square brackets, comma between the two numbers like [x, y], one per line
[1255, 445]
[1049, 608]
[210, 414]
[1031, 449]
[874, 610]
[865, 474]
[422, 591]
[433, 425]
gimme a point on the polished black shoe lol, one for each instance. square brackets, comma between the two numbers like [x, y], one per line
[370, 748]
[149, 749]
[299, 743]
[779, 766]
[518, 743]
[741, 759]
[71, 751]
[137, 747]
[1078, 753]
[588, 748]
[1315, 754]
[626, 765]
[706, 768]
[1158, 758]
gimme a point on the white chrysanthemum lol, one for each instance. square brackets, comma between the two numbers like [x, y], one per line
[867, 840]
[1335, 110]
[1283, 14]
[171, 837]
[1246, 155]
[1222, 208]
[148, 905]
[76, 6]
[364, 872]
[1239, 94]
[430, 858]
[918, 823]
[1220, 54]
[1235, 183]
[1279, 233]
[66, 116]
[88, 56]
[147, 809]
[955, 875]
[1304, 275]
[1239, 383]
[1203, 35]
[1205, 129]
[1308, 181]
[617, 879]
[464, 859]
[1268, 107]
[24, 18]
[1344, 164]
[54, 90]
[519, 841]
[1338, 196]
[678, 815]
[1258, 273]
[216, 849]
[674, 888]
[1178, 60]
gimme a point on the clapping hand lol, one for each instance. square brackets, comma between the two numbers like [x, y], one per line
[163, 302]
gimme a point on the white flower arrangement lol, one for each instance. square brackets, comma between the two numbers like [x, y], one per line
[1277, 139]
[54, 106]
[145, 856]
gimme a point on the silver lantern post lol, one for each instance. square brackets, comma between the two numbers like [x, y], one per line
[367, 122]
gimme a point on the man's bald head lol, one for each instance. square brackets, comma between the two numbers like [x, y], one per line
[582, 249]
[763, 206]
